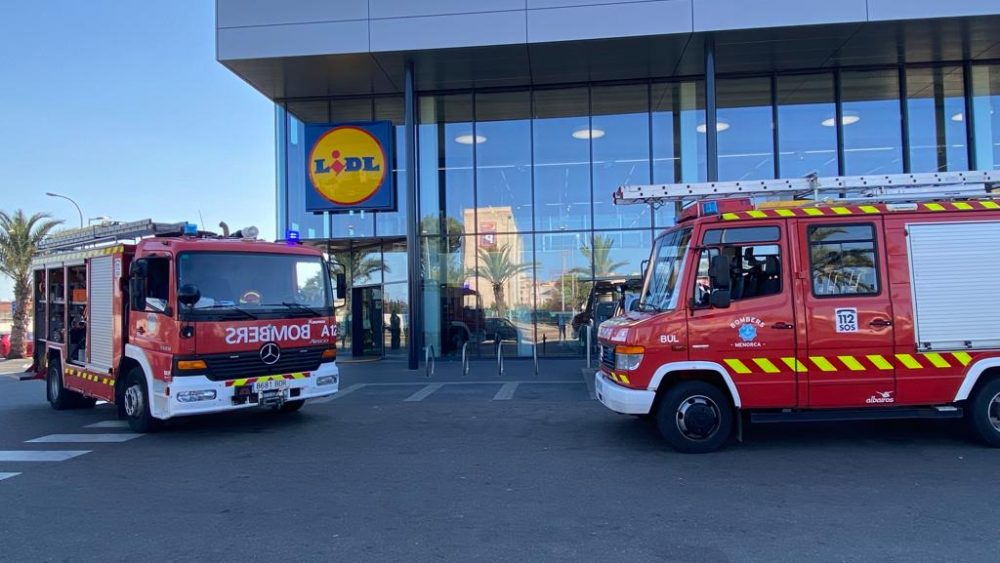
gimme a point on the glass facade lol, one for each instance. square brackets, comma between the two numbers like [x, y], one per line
[517, 228]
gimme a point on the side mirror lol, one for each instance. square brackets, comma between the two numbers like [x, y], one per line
[718, 273]
[137, 286]
[720, 299]
[188, 294]
[341, 285]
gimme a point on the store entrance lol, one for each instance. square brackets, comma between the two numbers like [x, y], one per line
[366, 321]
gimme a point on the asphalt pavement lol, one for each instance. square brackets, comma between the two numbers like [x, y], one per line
[484, 467]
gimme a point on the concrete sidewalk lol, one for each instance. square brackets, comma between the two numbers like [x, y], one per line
[14, 368]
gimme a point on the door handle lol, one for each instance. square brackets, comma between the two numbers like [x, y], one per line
[141, 330]
[881, 323]
[783, 326]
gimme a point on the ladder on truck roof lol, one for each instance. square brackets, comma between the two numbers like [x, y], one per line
[908, 187]
[104, 234]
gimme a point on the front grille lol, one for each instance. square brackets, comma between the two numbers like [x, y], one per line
[249, 364]
[608, 356]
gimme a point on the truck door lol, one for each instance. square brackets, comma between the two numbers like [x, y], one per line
[848, 313]
[754, 339]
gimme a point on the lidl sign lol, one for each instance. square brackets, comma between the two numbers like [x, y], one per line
[349, 167]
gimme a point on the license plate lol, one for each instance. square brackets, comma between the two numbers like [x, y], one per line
[271, 385]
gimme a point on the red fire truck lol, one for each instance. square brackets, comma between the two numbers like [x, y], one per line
[871, 306]
[180, 322]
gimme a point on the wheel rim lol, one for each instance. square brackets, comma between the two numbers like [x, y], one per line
[993, 412]
[698, 418]
[133, 401]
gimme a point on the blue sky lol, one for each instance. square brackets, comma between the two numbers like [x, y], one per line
[122, 106]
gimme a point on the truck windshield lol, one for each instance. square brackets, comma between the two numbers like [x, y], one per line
[258, 285]
[659, 291]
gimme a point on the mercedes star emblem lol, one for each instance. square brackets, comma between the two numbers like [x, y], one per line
[270, 353]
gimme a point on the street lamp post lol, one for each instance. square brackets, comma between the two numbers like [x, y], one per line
[50, 194]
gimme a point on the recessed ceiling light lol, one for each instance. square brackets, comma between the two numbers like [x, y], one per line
[958, 117]
[469, 139]
[588, 134]
[720, 126]
[847, 119]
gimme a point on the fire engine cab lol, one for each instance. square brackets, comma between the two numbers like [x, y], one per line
[179, 322]
[872, 305]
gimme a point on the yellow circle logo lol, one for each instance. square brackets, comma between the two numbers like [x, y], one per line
[347, 165]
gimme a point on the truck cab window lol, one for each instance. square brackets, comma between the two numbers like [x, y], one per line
[157, 284]
[842, 260]
[755, 271]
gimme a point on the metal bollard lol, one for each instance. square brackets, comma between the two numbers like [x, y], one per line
[499, 357]
[428, 361]
[534, 356]
[465, 359]
[590, 330]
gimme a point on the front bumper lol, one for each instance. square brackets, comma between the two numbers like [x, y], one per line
[622, 399]
[168, 405]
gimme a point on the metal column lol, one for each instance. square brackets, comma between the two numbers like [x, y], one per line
[416, 282]
[711, 113]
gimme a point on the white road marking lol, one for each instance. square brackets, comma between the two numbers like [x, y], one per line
[506, 391]
[338, 394]
[7, 475]
[50, 455]
[84, 438]
[109, 424]
[423, 393]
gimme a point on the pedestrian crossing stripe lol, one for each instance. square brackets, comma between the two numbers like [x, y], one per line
[852, 363]
[252, 380]
[87, 376]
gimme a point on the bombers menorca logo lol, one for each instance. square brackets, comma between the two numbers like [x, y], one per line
[348, 165]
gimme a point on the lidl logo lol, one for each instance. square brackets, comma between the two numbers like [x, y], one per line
[349, 167]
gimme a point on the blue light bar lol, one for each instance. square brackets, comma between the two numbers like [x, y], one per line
[190, 229]
[291, 235]
[710, 208]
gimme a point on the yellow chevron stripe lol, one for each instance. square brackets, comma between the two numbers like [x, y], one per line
[869, 209]
[962, 358]
[879, 361]
[934, 206]
[908, 361]
[851, 363]
[961, 205]
[738, 366]
[623, 378]
[729, 216]
[937, 360]
[814, 211]
[757, 214]
[841, 210]
[766, 365]
[990, 204]
[794, 364]
[822, 363]
[785, 212]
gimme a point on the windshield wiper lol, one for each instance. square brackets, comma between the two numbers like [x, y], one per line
[244, 312]
[296, 305]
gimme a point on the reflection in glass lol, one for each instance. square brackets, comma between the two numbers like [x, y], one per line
[871, 122]
[504, 274]
[394, 222]
[396, 311]
[679, 151]
[311, 226]
[564, 278]
[446, 178]
[562, 159]
[746, 140]
[805, 144]
[620, 153]
[453, 313]
[986, 115]
[394, 262]
[503, 162]
[935, 105]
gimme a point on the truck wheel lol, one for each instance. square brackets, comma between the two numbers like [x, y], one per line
[135, 399]
[695, 417]
[984, 413]
[291, 406]
[59, 397]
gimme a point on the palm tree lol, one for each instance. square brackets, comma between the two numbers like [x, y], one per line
[496, 267]
[19, 238]
[600, 253]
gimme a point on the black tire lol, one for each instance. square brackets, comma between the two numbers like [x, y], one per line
[984, 413]
[695, 417]
[291, 406]
[135, 403]
[59, 397]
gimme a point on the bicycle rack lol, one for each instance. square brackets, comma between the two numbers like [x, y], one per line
[428, 361]
[534, 356]
[499, 357]
[465, 358]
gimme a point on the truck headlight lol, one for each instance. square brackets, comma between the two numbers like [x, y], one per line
[194, 396]
[628, 358]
